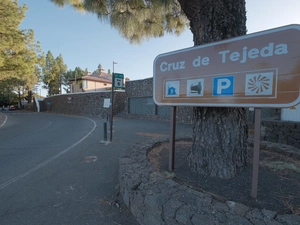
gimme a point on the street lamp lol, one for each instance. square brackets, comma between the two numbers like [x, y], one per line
[112, 100]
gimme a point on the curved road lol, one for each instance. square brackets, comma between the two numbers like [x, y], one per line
[52, 171]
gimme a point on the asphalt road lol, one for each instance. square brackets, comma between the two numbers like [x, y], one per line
[53, 169]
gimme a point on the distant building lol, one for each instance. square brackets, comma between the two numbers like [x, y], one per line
[92, 82]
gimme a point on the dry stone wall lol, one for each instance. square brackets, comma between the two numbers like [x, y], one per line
[144, 89]
[284, 132]
[85, 104]
[91, 104]
[139, 88]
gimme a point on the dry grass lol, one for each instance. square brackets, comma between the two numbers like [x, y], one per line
[154, 135]
[283, 169]
[279, 162]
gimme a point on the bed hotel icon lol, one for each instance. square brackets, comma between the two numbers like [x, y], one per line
[172, 89]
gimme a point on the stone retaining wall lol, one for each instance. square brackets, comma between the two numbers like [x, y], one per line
[139, 88]
[284, 132]
[85, 104]
[154, 198]
[144, 88]
[91, 104]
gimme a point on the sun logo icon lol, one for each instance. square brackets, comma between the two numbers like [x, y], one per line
[259, 84]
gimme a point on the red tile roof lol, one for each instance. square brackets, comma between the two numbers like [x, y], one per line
[102, 78]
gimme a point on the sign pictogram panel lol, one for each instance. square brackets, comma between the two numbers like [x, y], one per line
[259, 84]
[256, 70]
[118, 81]
[223, 86]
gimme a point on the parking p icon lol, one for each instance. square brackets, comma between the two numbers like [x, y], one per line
[223, 86]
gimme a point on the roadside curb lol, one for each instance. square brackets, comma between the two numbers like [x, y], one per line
[154, 198]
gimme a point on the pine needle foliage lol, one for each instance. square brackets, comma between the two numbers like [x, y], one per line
[136, 20]
[20, 55]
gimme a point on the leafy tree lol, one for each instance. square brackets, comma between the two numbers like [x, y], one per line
[20, 55]
[219, 134]
[7, 94]
[11, 38]
[29, 70]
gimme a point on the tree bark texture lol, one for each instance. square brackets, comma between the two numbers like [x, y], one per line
[215, 20]
[219, 141]
[219, 134]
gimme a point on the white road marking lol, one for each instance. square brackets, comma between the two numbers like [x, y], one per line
[43, 128]
[4, 120]
[49, 160]
[22, 113]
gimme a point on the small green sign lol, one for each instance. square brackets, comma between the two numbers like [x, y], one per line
[118, 80]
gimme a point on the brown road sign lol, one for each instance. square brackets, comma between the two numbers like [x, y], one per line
[255, 70]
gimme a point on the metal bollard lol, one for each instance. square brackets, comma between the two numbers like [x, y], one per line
[105, 131]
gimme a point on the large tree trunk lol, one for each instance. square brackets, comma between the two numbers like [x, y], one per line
[219, 141]
[219, 134]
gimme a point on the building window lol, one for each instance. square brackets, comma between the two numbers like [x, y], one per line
[85, 84]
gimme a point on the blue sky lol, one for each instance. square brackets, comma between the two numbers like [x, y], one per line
[85, 41]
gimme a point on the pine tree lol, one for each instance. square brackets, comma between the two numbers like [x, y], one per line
[20, 55]
[51, 74]
[12, 39]
[98, 70]
[219, 134]
[62, 70]
[136, 20]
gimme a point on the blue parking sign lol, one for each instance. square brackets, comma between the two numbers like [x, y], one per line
[223, 86]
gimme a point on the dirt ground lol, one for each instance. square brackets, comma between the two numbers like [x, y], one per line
[278, 185]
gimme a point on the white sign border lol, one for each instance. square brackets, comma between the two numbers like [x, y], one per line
[247, 36]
